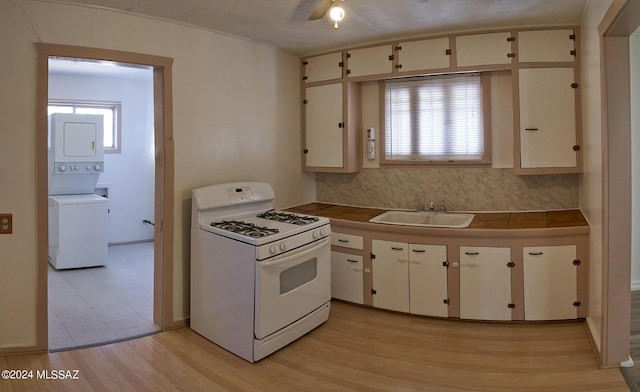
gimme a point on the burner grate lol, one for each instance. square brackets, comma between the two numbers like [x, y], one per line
[244, 228]
[293, 219]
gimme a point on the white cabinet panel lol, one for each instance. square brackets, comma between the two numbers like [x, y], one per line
[324, 67]
[547, 118]
[346, 277]
[424, 54]
[546, 46]
[428, 280]
[550, 283]
[483, 49]
[390, 275]
[485, 283]
[323, 129]
[346, 240]
[369, 61]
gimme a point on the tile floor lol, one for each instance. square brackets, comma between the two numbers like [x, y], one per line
[101, 304]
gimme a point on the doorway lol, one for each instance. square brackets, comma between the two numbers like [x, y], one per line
[163, 179]
[99, 293]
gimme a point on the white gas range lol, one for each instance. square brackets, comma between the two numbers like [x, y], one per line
[260, 278]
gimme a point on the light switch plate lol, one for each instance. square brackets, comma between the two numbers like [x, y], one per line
[6, 223]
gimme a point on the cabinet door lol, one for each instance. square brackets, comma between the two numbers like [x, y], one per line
[483, 49]
[485, 283]
[428, 280]
[550, 283]
[390, 275]
[546, 46]
[323, 126]
[324, 67]
[423, 55]
[346, 277]
[369, 61]
[547, 118]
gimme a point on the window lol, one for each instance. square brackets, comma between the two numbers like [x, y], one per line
[109, 110]
[435, 119]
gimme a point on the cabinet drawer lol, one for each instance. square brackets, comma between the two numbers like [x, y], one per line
[346, 241]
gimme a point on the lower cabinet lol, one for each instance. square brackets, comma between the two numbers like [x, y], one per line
[346, 277]
[485, 283]
[410, 277]
[550, 282]
[390, 275]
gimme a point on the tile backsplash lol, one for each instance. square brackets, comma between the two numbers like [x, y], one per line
[457, 189]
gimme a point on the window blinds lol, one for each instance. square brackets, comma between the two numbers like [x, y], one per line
[434, 119]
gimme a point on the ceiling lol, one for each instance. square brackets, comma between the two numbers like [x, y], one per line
[285, 24]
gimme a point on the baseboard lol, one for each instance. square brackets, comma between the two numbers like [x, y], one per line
[129, 242]
[7, 351]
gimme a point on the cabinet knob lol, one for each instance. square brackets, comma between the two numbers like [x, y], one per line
[306, 151]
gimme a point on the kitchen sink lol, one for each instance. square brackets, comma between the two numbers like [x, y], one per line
[424, 219]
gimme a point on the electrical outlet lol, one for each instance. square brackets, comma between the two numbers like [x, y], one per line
[6, 223]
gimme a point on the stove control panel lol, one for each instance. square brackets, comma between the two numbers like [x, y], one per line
[291, 243]
[239, 193]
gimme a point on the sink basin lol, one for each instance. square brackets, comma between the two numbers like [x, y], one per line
[424, 219]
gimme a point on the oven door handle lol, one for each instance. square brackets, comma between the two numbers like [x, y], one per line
[324, 242]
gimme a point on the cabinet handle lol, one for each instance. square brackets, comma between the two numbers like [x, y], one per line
[394, 248]
[418, 250]
[536, 253]
[531, 129]
[352, 261]
[471, 253]
[341, 240]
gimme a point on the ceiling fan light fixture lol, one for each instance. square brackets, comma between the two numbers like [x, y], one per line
[336, 13]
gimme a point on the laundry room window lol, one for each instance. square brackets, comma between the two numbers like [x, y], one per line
[437, 120]
[110, 112]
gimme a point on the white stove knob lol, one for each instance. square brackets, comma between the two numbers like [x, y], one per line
[62, 167]
[273, 249]
[323, 231]
[316, 234]
[283, 246]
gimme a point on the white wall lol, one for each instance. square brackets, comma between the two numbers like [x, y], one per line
[128, 174]
[591, 180]
[236, 117]
[634, 53]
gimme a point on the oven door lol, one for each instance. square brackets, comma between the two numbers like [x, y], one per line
[291, 286]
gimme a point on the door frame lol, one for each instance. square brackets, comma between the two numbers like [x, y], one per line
[164, 176]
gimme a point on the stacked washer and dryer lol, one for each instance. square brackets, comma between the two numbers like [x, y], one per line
[78, 218]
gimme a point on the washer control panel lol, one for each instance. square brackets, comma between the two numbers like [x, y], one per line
[78, 167]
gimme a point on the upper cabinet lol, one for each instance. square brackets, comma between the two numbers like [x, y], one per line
[376, 60]
[427, 54]
[545, 74]
[546, 46]
[548, 132]
[321, 68]
[330, 128]
[484, 49]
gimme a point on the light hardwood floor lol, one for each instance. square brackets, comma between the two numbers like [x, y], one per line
[358, 349]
